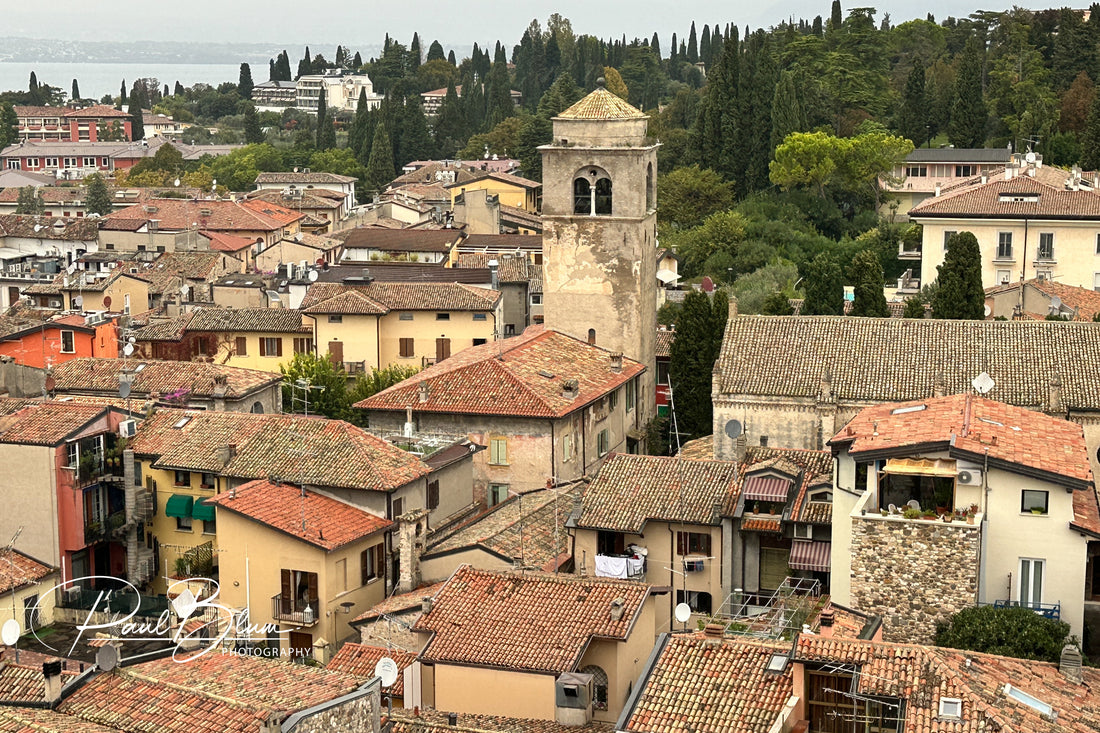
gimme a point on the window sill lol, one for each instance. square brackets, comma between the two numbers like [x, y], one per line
[1004, 260]
[1033, 514]
[499, 464]
[209, 534]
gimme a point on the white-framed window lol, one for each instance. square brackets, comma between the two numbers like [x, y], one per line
[105, 161]
[72, 455]
[70, 162]
[1004, 245]
[481, 317]
[916, 171]
[631, 395]
[603, 442]
[13, 165]
[1030, 588]
[1003, 276]
[951, 707]
[68, 342]
[1096, 281]
[536, 298]
[52, 163]
[89, 161]
[803, 531]
[1046, 245]
[32, 162]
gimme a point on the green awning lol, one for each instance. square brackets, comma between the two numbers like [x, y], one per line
[179, 505]
[202, 511]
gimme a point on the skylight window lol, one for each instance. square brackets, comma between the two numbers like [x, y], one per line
[181, 422]
[910, 408]
[1032, 702]
[777, 663]
[951, 707]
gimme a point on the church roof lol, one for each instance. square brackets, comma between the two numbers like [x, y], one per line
[601, 105]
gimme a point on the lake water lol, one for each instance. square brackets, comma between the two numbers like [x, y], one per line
[95, 80]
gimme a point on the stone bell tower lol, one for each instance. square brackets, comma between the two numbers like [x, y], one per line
[599, 202]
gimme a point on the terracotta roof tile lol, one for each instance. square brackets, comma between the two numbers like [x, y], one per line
[311, 177]
[49, 228]
[892, 360]
[269, 320]
[712, 685]
[382, 297]
[518, 527]
[329, 523]
[213, 692]
[401, 240]
[509, 378]
[222, 242]
[17, 570]
[665, 337]
[973, 426]
[761, 525]
[359, 660]
[47, 423]
[223, 216]
[23, 682]
[40, 720]
[97, 110]
[315, 450]
[630, 490]
[1084, 302]
[529, 621]
[312, 199]
[601, 105]
[998, 198]
[427, 721]
[100, 376]
[401, 602]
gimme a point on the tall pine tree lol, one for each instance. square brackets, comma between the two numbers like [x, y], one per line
[968, 111]
[912, 122]
[824, 288]
[788, 114]
[76, 91]
[244, 82]
[253, 133]
[693, 353]
[380, 169]
[693, 45]
[326, 133]
[867, 277]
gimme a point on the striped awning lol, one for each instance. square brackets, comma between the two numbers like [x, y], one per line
[766, 488]
[806, 555]
[921, 467]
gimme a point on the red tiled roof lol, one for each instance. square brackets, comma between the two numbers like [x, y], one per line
[1084, 301]
[98, 110]
[761, 525]
[401, 602]
[17, 570]
[970, 425]
[41, 720]
[23, 682]
[665, 337]
[200, 379]
[532, 622]
[214, 692]
[510, 378]
[382, 297]
[430, 721]
[995, 200]
[227, 242]
[329, 524]
[314, 450]
[700, 684]
[360, 660]
[630, 490]
[47, 423]
[223, 216]
[401, 240]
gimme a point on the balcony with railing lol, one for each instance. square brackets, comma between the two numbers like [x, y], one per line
[104, 528]
[300, 611]
[909, 250]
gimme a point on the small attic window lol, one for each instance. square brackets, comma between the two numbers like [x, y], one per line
[181, 422]
[1032, 702]
[910, 408]
[546, 374]
[777, 663]
[951, 707]
[1018, 197]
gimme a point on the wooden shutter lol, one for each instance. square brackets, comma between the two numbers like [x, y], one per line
[364, 566]
[681, 543]
[398, 507]
[704, 544]
[380, 560]
[407, 347]
[442, 349]
[311, 578]
[433, 494]
[278, 347]
[336, 352]
[263, 347]
[242, 346]
[287, 592]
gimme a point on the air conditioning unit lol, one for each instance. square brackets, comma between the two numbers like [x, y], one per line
[694, 566]
[127, 428]
[970, 474]
[71, 596]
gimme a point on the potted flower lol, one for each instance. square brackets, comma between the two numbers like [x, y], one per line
[929, 514]
[970, 517]
[973, 508]
[1037, 510]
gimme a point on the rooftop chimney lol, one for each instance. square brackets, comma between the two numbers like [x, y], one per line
[617, 611]
[828, 616]
[616, 361]
[740, 446]
[422, 391]
[226, 453]
[714, 631]
[938, 389]
[570, 388]
[1054, 395]
[494, 280]
[426, 604]
[1070, 663]
[51, 674]
[937, 189]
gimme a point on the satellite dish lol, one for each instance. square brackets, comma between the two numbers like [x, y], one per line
[682, 612]
[1030, 157]
[78, 301]
[312, 276]
[107, 302]
[983, 383]
[386, 669]
[10, 632]
[123, 388]
[733, 428]
[107, 657]
[128, 349]
[988, 310]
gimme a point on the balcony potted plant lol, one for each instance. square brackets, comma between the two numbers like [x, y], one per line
[911, 513]
[930, 515]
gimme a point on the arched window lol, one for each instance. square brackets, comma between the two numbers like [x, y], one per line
[650, 189]
[591, 337]
[599, 686]
[582, 196]
[603, 197]
[258, 408]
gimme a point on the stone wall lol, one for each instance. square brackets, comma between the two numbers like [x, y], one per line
[358, 712]
[913, 573]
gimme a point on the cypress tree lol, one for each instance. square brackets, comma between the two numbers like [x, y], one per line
[165, 92]
[253, 133]
[123, 93]
[9, 125]
[1090, 140]
[498, 103]
[912, 120]
[836, 17]
[76, 90]
[380, 168]
[356, 61]
[693, 45]
[414, 53]
[655, 44]
[137, 114]
[244, 82]
[416, 142]
[271, 73]
[473, 105]
[179, 90]
[816, 28]
[867, 276]
[435, 51]
[450, 124]
[34, 94]
[282, 67]
[960, 294]
[716, 122]
[824, 288]
[98, 198]
[704, 46]
[968, 111]
[788, 114]
[451, 58]
[359, 124]
[698, 341]
[326, 133]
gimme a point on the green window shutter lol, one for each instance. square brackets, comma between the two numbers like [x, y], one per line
[179, 505]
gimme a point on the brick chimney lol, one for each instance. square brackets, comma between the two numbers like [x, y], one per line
[226, 454]
[740, 446]
[1054, 395]
[938, 389]
[422, 392]
[412, 530]
[826, 620]
[1070, 663]
[616, 361]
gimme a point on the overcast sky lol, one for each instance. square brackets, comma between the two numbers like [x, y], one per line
[354, 22]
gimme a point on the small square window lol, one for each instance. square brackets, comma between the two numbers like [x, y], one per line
[442, 316]
[183, 524]
[1034, 502]
[480, 317]
[405, 317]
[183, 478]
[335, 319]
[950, 707]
